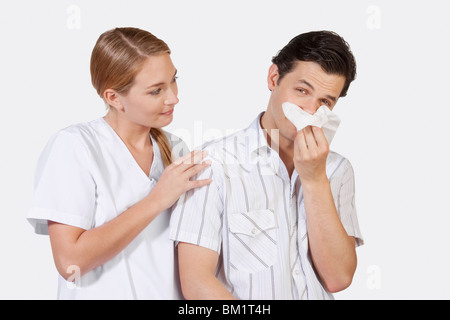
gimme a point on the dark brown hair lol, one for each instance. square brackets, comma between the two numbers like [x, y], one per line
[326, 48]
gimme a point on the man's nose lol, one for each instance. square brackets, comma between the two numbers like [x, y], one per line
[309, 106]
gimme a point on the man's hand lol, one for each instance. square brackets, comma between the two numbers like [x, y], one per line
[310, 154]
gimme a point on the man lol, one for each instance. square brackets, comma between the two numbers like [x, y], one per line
[278, 221]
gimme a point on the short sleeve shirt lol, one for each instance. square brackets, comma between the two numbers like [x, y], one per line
[86, 177]
[253, 216]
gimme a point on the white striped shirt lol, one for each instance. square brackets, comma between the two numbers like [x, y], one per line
[253, 216]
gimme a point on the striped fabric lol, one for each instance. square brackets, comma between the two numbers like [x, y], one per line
[253, 216]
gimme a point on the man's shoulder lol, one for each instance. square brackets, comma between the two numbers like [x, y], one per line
[231, 145]
[337, 164]
[334, 156]
[177, 144]
[225, 141]
[237, 142]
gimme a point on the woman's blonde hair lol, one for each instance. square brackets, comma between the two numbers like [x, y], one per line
[117, 58]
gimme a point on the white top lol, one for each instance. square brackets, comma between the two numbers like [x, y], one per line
[85, 177]
[253, 215]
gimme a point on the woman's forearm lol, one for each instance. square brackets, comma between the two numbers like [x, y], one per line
[89, 249]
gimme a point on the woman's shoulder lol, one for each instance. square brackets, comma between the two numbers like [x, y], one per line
[78, 136]
[88, 128]
[87, 131]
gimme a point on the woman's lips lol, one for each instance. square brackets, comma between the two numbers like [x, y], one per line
[168, 113]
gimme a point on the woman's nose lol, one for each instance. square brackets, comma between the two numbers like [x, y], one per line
[172, 97]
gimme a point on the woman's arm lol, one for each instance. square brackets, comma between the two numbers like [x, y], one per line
[89, 249]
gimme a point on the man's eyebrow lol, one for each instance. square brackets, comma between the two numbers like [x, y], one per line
[307, 83]
[334, 99]
[161, 83]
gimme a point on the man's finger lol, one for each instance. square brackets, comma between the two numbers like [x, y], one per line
[310, 139]
[319, 135]
[301, 141]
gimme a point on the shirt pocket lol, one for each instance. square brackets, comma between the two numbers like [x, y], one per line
[252, 240]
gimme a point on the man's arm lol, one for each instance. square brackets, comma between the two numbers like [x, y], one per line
[332, 249]
[197, 273]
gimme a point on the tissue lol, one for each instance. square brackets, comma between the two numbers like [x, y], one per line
[323, 118]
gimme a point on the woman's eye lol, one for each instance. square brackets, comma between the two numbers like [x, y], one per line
[156, 92]
[175, 79]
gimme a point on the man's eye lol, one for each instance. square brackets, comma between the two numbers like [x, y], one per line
[326, 102]
[302, 90]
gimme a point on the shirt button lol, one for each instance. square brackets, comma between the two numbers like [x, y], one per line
[297, 272]
[254, 231]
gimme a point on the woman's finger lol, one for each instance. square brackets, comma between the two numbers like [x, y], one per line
[191, 158]
[198, 183]
[197, 168]
[183, 158]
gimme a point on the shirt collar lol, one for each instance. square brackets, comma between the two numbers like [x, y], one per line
[259, 150]
[257, 143]
[257, 147]
[120, 152]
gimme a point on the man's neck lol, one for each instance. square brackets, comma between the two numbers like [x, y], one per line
[278, 142]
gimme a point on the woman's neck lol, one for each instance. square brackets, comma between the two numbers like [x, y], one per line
[133, 135]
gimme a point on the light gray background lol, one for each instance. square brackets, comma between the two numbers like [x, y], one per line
[394, 129]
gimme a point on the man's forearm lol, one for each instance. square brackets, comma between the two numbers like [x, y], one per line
[332, 250]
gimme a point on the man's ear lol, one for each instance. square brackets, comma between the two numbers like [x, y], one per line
[272, 77]
[112, 98]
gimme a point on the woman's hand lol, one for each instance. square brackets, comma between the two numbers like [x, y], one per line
[89, 249]
[175, 180]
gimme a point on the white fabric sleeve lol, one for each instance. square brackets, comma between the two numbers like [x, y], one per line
[346, 204]
[197, 216]
[64, 190]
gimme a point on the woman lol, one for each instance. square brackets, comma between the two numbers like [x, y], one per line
[103, 188]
